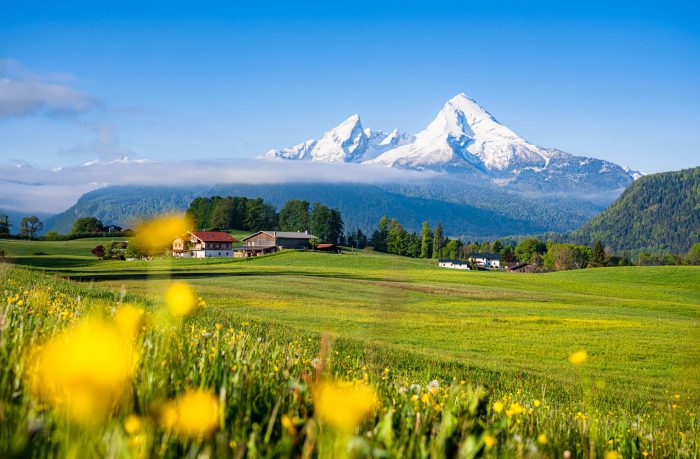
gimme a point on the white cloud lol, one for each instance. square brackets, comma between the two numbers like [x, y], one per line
[23, 93]
[29, 188]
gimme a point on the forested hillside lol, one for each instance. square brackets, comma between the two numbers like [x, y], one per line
[361, 206]
[659, 213]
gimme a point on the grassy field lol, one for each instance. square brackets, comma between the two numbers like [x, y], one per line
[511, 333]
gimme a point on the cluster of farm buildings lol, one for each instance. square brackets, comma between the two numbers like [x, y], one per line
[206, 244]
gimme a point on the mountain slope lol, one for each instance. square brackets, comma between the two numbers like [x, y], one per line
[658, 213]
[467, 141]
[361, 206]
[123, 205]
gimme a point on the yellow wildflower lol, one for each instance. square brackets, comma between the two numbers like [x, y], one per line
[536, 403]
[180, 299]
[498, 407]
[514, 410]
[129, 320]
[542, 439]
[611, 455]
[158, 234]
[288, 425]
[577, 358]
[83, 372]
[132, 424]
[343, 405]
[195, 414]
[490, 441]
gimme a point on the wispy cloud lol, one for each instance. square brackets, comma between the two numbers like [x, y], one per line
[104, 145]
[29, 188]
[24, 93]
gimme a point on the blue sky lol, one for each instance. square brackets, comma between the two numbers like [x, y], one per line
[171, 81]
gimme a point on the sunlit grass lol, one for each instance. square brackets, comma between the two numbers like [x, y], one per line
[460, 363]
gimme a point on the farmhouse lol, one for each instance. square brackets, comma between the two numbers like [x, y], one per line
[519, 268]
[264, 242]
[454, 264]
[204, 244]
[486, 260]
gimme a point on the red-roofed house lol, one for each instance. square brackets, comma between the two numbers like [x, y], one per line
[204, 244]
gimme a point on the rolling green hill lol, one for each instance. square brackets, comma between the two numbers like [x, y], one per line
[659, 213]
[401, 325]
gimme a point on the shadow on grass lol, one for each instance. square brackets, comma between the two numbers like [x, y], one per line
[143, 275]
[51, 262]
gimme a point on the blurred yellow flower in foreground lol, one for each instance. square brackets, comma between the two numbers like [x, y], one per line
[129, 321]
[577, 358]
[490, 441]
[342, 404]
[132, 424]
[83, 372]
[180, 299]
[157, 234]
[195, 414]
[542, 439]
[498, 407]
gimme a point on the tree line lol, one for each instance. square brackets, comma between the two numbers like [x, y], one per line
[391, 237]
[29, 227]
[234, 212]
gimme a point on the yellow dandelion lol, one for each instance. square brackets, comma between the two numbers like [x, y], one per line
[542, 439]
[537, 403]
[288, 425]
[129, 320]
[83, 372]
[577, 358]
[498, 407]
[133, 424]
[180, 299]
[194, 415]
[611, 455]
[490, 441]
[343, 405]
[514, 409]
[157, 234]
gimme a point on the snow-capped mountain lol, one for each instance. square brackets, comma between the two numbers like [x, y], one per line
[347, 142]
[635, 174]
[464, 139]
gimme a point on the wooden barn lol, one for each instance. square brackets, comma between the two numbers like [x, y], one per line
[264, 242]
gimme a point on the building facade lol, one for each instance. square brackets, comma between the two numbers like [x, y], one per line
[486, 260]
[264, 242]
[204, 244]
[453, 264]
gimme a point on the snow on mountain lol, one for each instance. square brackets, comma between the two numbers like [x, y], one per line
[120, 160]
[462, 138]
[635, 174]
[347, 142]
[464, 135]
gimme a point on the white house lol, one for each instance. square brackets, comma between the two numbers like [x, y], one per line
[453, 264]
[486, 260]
[204, 244]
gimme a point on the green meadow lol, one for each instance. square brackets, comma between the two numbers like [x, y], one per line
[510, 333]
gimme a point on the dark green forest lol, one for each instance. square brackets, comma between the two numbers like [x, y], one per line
[659, 213]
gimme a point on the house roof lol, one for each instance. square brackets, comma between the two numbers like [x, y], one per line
[487, 256]
[447, 260]
[517, 266]
[284, 235]
[214, 236]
